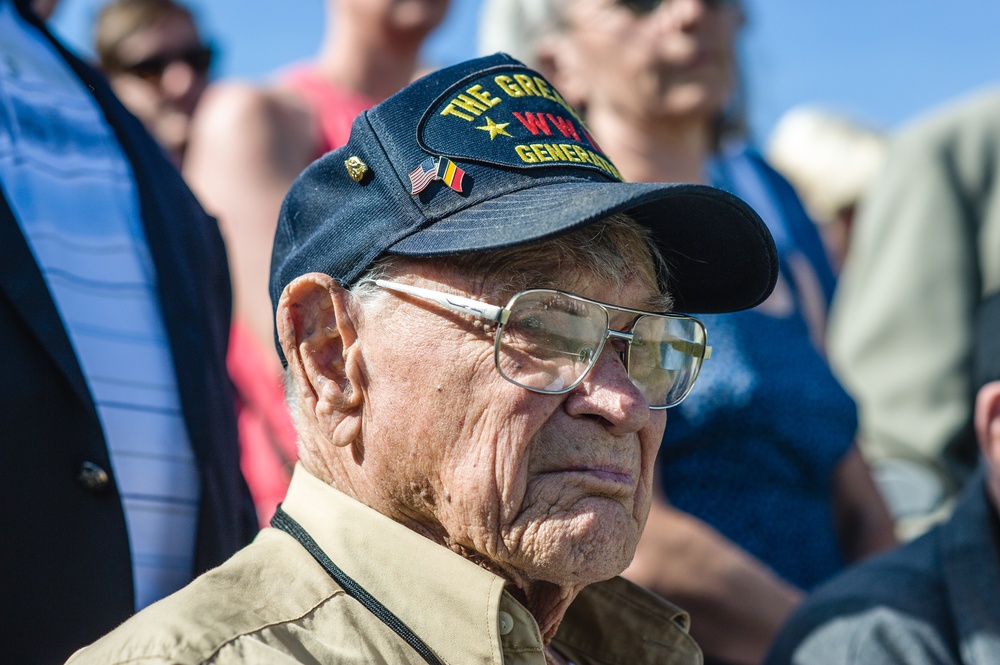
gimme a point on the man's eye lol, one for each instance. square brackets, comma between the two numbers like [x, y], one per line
[532, 323]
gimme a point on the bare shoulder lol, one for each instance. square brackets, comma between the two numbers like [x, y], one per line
[250, 124]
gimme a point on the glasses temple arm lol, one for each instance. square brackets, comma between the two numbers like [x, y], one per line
[452, 302]
[691, 348]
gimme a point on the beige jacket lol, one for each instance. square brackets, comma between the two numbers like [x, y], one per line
[925, 251]
[272, 603]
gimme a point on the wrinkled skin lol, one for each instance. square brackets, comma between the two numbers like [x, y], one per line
[549, 491]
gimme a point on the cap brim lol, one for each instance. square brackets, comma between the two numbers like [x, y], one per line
[720, 254]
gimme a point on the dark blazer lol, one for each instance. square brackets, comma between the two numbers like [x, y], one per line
[65, 563]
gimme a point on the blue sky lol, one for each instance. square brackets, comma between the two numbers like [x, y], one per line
[882, 61]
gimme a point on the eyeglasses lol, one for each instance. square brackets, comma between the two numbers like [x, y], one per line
[548, 341]
[641, 7]
[198, 58]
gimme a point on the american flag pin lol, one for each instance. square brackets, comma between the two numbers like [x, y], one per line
[422, 176]
[432, 169]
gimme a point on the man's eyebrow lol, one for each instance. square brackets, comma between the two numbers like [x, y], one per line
[658, 303]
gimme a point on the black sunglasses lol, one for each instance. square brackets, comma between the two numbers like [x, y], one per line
[198, 58]
[648, 6]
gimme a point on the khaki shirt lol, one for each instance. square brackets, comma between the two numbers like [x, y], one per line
[272, 603]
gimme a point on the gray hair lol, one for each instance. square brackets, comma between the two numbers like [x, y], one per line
[617, 250]
[516, 26]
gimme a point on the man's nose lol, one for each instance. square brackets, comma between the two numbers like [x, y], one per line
[607, 392]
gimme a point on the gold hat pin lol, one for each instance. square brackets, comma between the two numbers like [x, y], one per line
[356, 168]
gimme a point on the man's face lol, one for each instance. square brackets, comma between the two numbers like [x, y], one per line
[544, 487]
[675, 60]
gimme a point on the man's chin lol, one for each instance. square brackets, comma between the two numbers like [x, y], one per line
[594, 543]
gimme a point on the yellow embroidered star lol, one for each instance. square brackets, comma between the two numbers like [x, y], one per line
[494, 128]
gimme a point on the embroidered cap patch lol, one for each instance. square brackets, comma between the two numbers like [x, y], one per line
[507, 116]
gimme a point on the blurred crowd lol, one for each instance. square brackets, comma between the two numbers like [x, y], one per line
[822, 496]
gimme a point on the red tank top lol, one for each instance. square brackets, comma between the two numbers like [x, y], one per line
[333, 107]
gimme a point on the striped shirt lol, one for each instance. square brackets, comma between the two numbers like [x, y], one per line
[73, 193]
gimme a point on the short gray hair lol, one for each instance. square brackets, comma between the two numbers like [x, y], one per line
[616, 250]
[516, 26]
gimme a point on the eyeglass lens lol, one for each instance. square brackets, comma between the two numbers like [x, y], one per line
[551, 340]
[665, 357]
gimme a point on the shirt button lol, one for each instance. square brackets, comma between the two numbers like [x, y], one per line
[506, 623]
[93, 478]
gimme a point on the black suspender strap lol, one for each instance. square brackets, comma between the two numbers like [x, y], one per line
[282, 521]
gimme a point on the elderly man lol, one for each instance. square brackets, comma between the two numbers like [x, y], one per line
[936, 600]
[473, 475]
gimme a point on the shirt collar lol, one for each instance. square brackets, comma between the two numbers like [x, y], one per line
[460, 610]
[452, 604]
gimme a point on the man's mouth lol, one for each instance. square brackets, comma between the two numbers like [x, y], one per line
[609, 473]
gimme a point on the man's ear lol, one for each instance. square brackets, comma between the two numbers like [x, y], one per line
[317, 334]
[987, 422]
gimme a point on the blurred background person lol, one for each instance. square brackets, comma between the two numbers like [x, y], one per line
[122, 475]
[935, 601]
[763, 492]
[157, 64]
[248, 143]
[924, 253]
[831, 159]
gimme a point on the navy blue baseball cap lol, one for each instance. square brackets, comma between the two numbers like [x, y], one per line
[485, 155]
